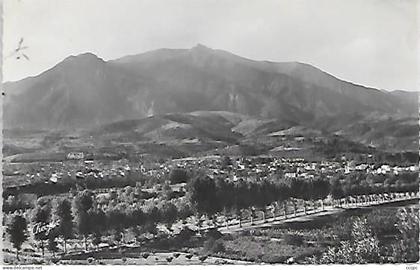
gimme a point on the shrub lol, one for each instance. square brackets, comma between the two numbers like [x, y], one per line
[214, 233]
[218, 247]
[363, 247]
[228, 237]
[214, 246]
[245, 233]
[185, 234]
[273, 258]
[178, 176]
[293, 239]
[407, 248]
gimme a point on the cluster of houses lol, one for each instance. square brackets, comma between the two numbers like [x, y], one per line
[252, 168]
[235, 168]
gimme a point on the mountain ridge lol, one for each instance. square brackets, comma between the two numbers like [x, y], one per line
[84, 90]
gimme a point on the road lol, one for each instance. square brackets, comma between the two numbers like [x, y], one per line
[301, 216]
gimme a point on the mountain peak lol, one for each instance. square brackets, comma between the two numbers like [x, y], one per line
[200, 46]
[84, 90]
[83, 57]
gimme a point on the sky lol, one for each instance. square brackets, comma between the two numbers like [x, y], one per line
[368, 42]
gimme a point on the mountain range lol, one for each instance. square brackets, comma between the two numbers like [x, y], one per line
[85, 92]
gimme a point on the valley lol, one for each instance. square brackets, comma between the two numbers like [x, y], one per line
[199, 156]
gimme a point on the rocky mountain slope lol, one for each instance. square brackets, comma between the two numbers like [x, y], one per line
[152, 95]
[85, 90]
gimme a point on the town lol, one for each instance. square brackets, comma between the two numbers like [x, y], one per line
[167, 197]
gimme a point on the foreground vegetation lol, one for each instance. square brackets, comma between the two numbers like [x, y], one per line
[371, 236]
[101, 222]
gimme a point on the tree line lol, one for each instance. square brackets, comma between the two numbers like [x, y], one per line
[210, 196]
[86, 217]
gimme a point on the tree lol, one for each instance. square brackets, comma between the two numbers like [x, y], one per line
[96, 239]
[284, 189]
[149, 227]
[224, 194]
[296, 188]
[117, 235]
[116, 217]
[202, 195]
[136, 217]
[310, 192]
[41, 216]
[321, 189]
[169, 213]
[363, 247]
[52, 242]
[265, 194]
[83, 226]
[82, 203]
[242, 196]
[336, 190]
[97, 224]
[407, 248]
[62, 213]
[152, 214]
[178, 176]
[17, 230]
[184, 209]
[185, 235]
[166, 191]
[213, 246]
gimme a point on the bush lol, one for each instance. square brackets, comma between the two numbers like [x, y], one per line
[145, 195]
[174, 194]
[245, 233]
[273, 258]
[178, 176]
[214, 246]
[214, 233]
[293, 239]
[228, 237]
[185, 234]
[363, 247]
[218, 247]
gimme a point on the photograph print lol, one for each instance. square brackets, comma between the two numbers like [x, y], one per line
[210, 132]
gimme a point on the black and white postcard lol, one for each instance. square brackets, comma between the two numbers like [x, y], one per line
[210, 132]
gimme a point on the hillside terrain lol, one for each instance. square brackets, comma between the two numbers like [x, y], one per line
[201, 98]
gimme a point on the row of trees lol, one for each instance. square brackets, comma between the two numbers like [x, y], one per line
[362, 184]
[210, 196]
[86, 217]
